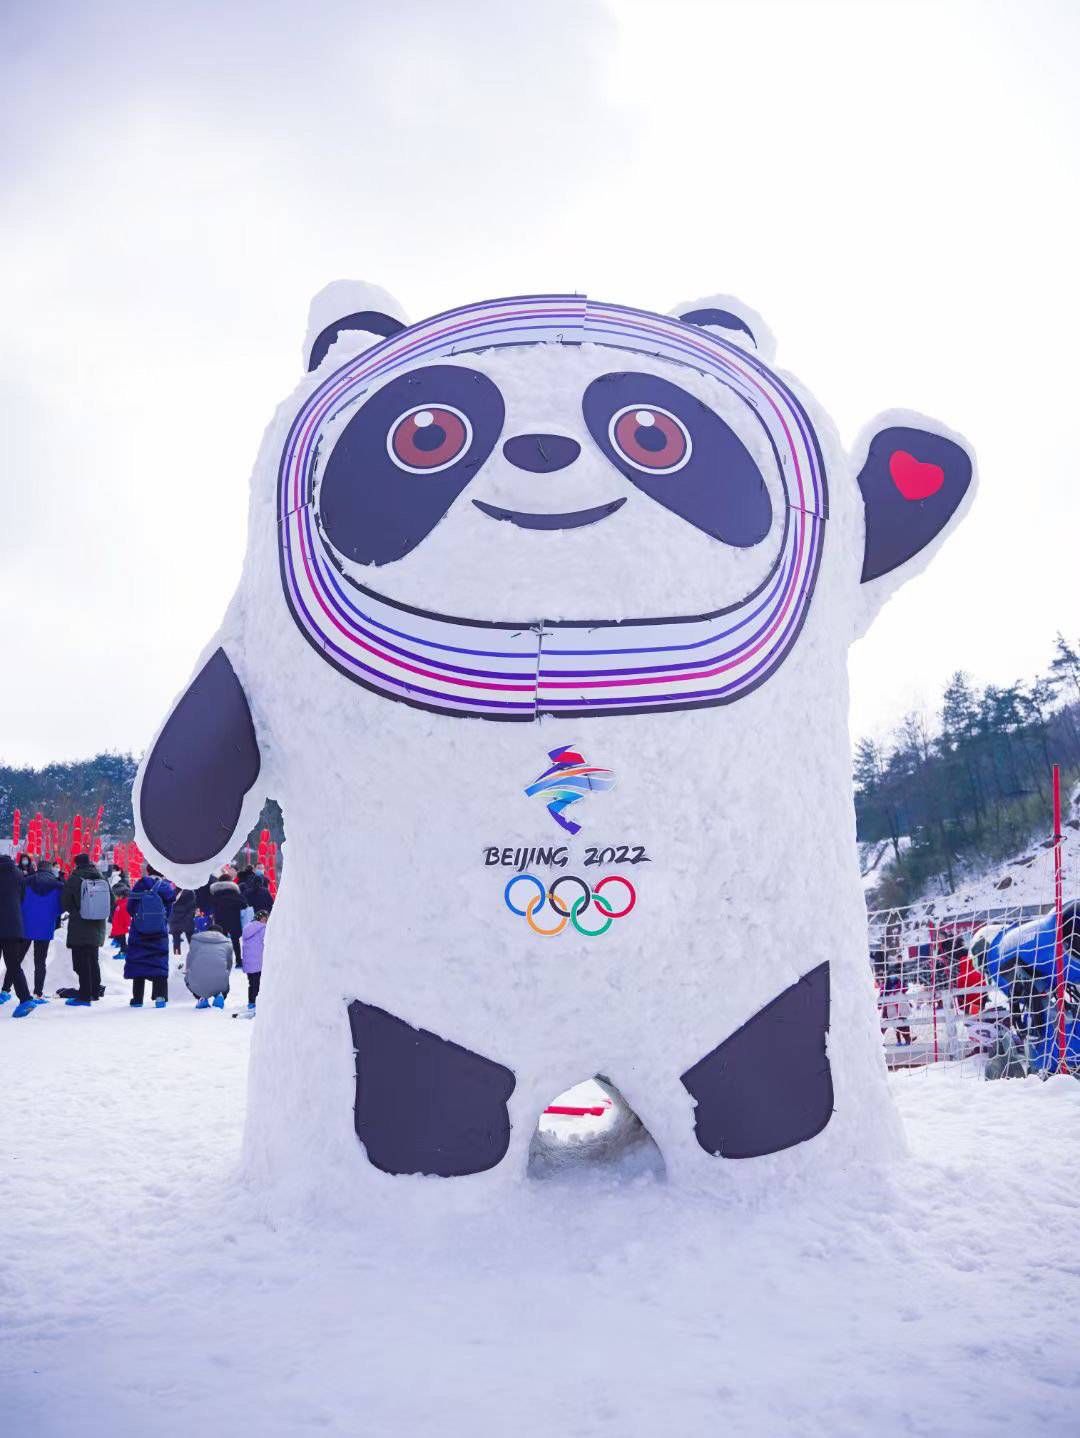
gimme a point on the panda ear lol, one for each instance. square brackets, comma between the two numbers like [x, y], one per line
[729, 317]
[345, 306]
[917, 479]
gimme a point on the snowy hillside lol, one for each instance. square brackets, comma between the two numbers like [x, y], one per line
[875, 858]
[142, 1296]
[1026, 878]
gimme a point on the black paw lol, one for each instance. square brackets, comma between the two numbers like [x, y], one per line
[769, 1085]
[423, 1104]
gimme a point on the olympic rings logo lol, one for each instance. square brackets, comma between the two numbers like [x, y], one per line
[578, 905]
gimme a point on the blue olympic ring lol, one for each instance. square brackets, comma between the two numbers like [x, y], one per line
[529, 879]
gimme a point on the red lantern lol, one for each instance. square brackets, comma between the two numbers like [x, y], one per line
[96, 855]
[16, 828]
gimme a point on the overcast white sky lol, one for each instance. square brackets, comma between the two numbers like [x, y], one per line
[894, 186]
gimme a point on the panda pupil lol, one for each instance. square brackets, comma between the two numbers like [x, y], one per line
[651, 438]
[430, 437]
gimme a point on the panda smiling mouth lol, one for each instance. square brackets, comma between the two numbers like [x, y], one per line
[524, 519]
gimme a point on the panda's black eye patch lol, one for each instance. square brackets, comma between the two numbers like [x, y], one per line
[678, 451]
[404, 457]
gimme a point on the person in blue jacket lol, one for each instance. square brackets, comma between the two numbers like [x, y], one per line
[41, 919]
[147, 956]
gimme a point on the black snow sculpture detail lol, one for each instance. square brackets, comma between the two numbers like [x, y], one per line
[724, 318]
[205, 761]
[675, 449]
[403, 459]
[768, 1086]
[369, 321]
[423, 1104]
[912, 483]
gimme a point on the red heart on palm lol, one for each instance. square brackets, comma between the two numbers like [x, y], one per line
[914, 478]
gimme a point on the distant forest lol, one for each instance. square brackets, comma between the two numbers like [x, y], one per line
[971, 785]
[60, 791]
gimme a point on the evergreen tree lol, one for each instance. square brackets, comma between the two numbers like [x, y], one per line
[1065, 665]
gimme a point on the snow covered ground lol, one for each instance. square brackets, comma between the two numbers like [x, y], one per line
[140, 1293]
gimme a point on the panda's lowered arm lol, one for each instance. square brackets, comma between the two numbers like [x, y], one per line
[197, 795]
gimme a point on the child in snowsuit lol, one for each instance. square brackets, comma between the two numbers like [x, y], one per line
[896, 1010]
[121, 920]
[209, 962]
[252, 953]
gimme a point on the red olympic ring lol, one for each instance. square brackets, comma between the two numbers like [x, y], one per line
[618, 879]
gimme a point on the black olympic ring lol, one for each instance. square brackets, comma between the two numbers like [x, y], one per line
[569, 879]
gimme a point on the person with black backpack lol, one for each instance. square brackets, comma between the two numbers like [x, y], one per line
[147, 956]
[89, 903]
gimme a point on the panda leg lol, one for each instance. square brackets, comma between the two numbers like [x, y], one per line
[768, 1086]
[425, 1105]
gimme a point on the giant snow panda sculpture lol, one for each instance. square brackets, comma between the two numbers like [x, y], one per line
[541, 643]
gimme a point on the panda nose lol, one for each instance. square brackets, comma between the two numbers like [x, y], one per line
[541, 453]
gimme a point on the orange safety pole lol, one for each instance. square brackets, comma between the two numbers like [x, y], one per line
[1059, 941]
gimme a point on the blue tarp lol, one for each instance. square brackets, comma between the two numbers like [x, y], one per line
[1022, 961]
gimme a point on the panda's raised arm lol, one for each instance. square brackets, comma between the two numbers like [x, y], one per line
[195, 798]
[916, 478]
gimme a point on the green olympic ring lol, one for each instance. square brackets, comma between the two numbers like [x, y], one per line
[576, 908]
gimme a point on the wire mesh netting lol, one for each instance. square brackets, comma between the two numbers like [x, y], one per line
[994, 989]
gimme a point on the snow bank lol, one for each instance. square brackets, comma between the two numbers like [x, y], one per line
[142, 1294]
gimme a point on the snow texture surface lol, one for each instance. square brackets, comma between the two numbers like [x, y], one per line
[743, 811]
[142, 1294]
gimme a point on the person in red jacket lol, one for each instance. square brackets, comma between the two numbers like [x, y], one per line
[121, 920]
[970, 984]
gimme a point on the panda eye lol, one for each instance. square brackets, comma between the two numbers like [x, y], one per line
[440, 423]
[428, 438]
[681, 453]
[650, 438]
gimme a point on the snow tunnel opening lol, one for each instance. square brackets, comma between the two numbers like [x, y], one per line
[589, 1131]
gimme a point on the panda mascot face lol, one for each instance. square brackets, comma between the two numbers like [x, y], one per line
[527, 554]
[553, 463]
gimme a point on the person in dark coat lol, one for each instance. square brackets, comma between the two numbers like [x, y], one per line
[148, 952]
[85, 936]
[41, 919]
[256, 890]
[226, 906]
[182, 918]
[12, 941]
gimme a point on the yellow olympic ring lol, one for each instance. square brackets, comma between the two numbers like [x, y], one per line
[530, 908]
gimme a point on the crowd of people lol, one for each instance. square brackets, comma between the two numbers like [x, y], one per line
[214, 930]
